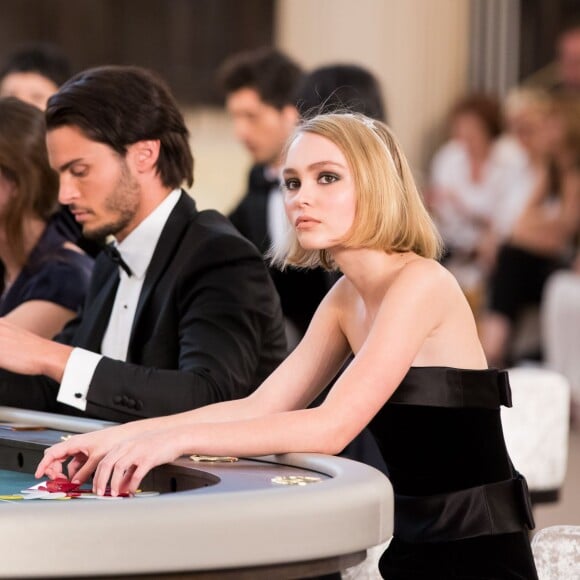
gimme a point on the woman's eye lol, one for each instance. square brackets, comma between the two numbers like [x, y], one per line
[291, 184]
[328, 178]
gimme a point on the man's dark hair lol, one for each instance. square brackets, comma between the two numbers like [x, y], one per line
[571, 25]
[272, 74]
[47, 60]
[340, 87]
[121, 105]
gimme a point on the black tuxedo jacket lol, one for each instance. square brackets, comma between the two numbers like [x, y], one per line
[300, 290]
[208, 327]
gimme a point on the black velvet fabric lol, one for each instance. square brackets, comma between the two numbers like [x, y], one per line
[433, 449]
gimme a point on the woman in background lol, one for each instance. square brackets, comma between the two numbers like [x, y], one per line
[471, 183]
[43, 277]
[418, 378]
[542, 237]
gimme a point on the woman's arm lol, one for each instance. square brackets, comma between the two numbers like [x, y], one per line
[41, 317]
[293, 385]
[546, 229]
[411, 311]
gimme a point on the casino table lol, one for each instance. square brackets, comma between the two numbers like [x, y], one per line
[286, 516]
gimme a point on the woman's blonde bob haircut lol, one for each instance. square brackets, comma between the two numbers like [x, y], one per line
[390, 214]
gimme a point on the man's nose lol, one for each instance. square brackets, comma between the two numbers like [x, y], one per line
[67, 192]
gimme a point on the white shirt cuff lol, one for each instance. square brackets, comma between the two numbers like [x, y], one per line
[77, 377]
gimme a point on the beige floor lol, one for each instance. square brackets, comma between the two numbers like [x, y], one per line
[567, 510]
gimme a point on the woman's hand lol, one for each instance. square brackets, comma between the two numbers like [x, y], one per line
[128, 463]
[85, 452]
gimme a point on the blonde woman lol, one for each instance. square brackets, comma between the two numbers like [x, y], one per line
[353, 205]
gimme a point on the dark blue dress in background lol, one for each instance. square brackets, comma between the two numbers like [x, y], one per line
[52, 273]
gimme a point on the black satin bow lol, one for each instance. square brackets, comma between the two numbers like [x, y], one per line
[115, 256]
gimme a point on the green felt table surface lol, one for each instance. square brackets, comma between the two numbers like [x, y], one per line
[11, 482]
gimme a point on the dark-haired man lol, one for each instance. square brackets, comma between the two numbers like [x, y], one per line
[184, 314]
[260, 86]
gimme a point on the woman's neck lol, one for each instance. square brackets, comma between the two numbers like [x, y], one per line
[370, 271]
[32, 229]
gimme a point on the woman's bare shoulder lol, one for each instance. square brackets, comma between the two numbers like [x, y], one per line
[427, 274]
[342, 290]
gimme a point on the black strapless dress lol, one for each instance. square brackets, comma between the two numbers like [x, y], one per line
[461, 509]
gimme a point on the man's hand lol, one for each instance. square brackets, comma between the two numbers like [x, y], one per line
[26, 353]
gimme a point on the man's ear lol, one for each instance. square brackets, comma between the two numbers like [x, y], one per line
[144, 155]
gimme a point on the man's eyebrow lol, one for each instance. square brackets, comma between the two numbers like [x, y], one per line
[68, 164]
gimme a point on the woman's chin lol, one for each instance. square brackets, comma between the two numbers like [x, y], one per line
[312, 245]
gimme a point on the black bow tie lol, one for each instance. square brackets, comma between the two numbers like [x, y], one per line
[115, 256]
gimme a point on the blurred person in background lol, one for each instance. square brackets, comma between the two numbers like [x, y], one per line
[568, 59]
[340, 87]
[34, 73]
[525, 112]
[541, 240]
[44, 277]
[471, 178]
[259, 87]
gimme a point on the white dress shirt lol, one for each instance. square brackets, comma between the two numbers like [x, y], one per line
[136, 250]
[465, 205]
[276, 220]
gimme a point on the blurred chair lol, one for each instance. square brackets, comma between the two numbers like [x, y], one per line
[557, 553]
[536, 429]
[561, 330]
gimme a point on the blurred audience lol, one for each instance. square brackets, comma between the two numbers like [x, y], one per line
[34, 73]
[568, 59]
[44, 277]
[472, 177]
[340, 87]
[542, 238]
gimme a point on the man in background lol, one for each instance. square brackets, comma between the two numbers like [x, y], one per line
[259, 87]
